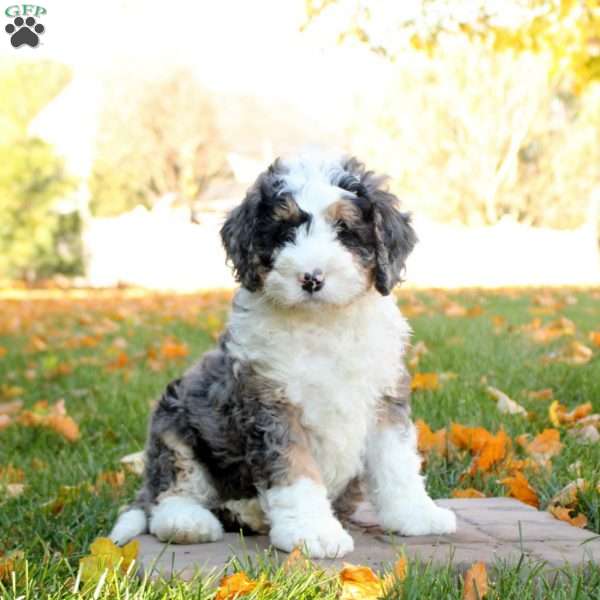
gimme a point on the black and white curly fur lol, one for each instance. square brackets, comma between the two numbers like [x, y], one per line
[305, 401]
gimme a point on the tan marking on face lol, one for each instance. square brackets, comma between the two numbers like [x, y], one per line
[288, 210]
[344, 210]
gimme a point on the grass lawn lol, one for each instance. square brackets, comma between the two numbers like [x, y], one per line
[109, 354]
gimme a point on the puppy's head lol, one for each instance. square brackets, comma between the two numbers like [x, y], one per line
[317, 230]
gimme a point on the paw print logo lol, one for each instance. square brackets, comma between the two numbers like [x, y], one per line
[24, 32]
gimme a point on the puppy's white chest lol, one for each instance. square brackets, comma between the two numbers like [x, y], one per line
[335, 366]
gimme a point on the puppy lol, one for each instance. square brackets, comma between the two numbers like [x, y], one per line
[305, 401]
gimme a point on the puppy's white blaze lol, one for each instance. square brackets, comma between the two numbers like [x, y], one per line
[183, 521]
[301, 515]
[315, 248]
[129, 525]
[397, 488]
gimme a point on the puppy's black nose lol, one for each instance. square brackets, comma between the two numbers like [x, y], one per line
[312, 282]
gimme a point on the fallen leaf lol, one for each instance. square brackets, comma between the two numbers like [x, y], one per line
[559, 415]
[569, 494]
[3, 351]
[10, 564]
[134, 463]
[543, 447]
[113, 479]
[398, 574]
[544, 394]
[505, 404]
[519, 488]
[10, 391]
[415, 354]
[359, 583]
[492, 453]
[428, 440]
[11, 408]
[52, 417]
[585, 435]
[564, 514]
[595, 338]
[425, 381]
[559, 328]
[104, 554]
[233, 586]
[173, 349]
[468, 493]
[469, 438]
[5, 421]
[476, 582]
[13, 490]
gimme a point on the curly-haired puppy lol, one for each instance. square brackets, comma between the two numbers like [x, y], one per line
[306, 398]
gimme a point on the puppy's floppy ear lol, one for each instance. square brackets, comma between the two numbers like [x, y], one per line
[394, 236]
[394, 240]
[237, 235]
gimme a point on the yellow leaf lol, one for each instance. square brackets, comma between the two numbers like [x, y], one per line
[425, 381]
[10, 563]
[104, 554]
[564, 514]
[476, 582]
[520, 489]
[468, 493]
[553, 413]
[359, 583]
[233, 586]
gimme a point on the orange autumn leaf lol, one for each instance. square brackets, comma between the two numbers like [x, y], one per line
[234, 586]
[429, 440]
[359, 583]
[468, 493]
[476, 582]
[425, 381]
[544, 446]
[3, 351]
[564, 514]
[519, 488]
[559, 415]
[453, 309]
[398, 574]
[120, 362]
[63, 425]
[595, 338]
[173, 349]
[54, 417]
[492, 453]
[469, 438]
[544, 394]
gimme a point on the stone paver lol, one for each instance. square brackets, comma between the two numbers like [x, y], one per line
[489, 530]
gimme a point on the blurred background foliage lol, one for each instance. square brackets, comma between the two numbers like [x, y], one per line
[486, 111]
[157, 137]
[494, 108]
[36, 238]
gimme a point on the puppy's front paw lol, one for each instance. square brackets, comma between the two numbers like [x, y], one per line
[321, 538]
[419, 519]
[183, 521]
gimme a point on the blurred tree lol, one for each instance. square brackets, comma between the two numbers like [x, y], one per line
[157, 137]
[36, 239]
[492, 109]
